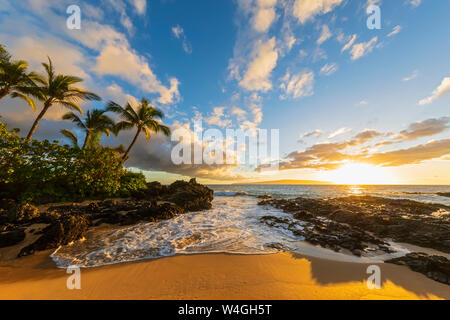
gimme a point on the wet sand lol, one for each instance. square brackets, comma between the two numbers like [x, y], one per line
[216, 276]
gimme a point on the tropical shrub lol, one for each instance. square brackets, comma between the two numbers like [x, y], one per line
[44, 171]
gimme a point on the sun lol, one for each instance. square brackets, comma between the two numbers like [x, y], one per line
[360, 173]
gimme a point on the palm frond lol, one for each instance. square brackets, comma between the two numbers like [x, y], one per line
[28, 100]
[71, 136]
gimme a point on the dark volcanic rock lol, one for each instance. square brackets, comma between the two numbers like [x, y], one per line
[11, 238]
[69, 222]
[443, 194]
[22, 213]
[434, 267]
[398, 219]
[61, 231]
[191, 196]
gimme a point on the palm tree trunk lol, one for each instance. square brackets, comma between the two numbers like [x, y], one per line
[36, 122]
[86, 140]
[125, 156]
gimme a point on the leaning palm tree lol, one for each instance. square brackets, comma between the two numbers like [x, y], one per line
[94, 124]
[16, 81]
[59, 90]
[144, 120]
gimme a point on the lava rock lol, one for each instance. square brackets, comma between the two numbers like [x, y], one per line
[22, 213]
[60, 232]
[434, 267]
[11, 238]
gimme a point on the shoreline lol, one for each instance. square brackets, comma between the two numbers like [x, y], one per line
[215, 276]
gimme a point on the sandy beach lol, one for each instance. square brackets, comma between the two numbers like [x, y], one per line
[215, 276]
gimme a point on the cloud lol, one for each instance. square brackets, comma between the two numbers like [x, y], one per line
[297, 85]
[363, 147]
[396, 30]
[350, 43]
[432, 150]
[424, 128]
[313, 134]
[329, 69]
[218, 118]
[361, 49]
[339, 132]
[264, 60]
[325, 35]
[140, 6]
[441, 91]
[415, 3]
[264, 15]
[135, 69]
[414, 75]
[178, 32]
[305, 10]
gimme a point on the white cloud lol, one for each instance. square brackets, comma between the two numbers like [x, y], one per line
[361, 49]
[414, 75]
[415, 3]
[264, 15]
[396, 30]
[135, 69]
[178, 32]
[218, 118]
[350, 43]
[140, 6]
[441, 90]
[264, 60]
[305, 10]
[297, 85]
[339, 132]
[329, 69]
[325, 35]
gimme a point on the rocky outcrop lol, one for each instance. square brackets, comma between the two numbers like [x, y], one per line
[401, 220]
[434, 267]
[190, 196]
[69, 222]
[61, 231]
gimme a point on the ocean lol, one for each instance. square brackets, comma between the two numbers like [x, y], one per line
[232, 226]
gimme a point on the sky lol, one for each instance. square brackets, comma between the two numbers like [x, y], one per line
[352, 104]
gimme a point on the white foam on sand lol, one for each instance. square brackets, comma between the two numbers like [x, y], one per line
[233, 225]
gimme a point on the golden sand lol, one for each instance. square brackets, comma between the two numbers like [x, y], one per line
[215, 276]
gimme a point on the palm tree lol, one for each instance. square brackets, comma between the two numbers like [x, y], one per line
[71, 136]
[143, 120]
[4, 55]
[95, 123]
[59, 90]
[15, 80]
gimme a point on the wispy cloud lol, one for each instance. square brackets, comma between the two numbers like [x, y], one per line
[297, 85]
[359, 50]
[442, 90]
[325, 35]
[329, 69]
[413, 76]
[178, 32]
[395, 31]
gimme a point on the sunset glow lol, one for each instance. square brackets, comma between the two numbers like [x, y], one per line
[360, 173]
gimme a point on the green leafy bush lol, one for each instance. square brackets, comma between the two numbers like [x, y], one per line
[131, 182]
[44, 171]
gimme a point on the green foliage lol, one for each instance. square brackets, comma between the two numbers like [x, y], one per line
[131, 182]
[44, 171]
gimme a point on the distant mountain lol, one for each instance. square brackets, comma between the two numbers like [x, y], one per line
[288, 182]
